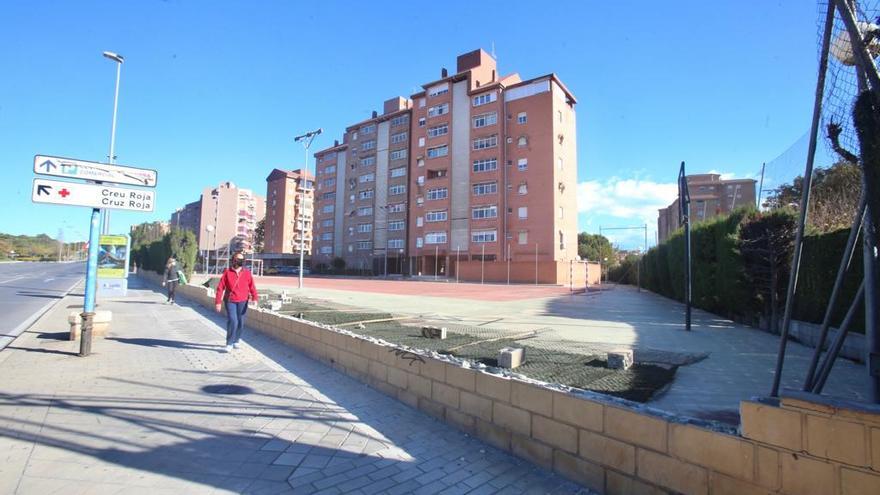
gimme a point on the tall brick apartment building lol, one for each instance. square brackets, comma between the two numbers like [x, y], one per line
[475, 175]
[710, 196]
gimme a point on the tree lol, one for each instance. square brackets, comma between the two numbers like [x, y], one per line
[595, 247]
[765, 243]
[833, 199]
[184, 247]
[259, 236]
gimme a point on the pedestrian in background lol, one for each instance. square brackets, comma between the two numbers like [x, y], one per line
[235, 289]
[171, 278]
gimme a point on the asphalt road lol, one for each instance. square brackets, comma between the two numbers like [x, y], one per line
[29, 289]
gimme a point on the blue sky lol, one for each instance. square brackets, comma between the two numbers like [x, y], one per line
[216, 90]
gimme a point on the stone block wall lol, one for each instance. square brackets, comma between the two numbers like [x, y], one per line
[796, 447]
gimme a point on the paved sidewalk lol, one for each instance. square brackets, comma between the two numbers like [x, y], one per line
[158, 409]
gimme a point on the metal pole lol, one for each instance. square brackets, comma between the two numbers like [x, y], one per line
[386, 261]
[88, 314]
[760, 187]
[805, 202]
[508, 263]
[112, 156]
[536, 263]
[570, 276]
[482, 262]
[302, 217]
[845, 260]
[457, 255]
[685, 215]
[838, 341]
[436, 261]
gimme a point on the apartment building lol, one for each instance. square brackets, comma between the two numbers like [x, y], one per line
[189, 217]
[228, 220]
[474, 175]
[710, 196]
[289, 204]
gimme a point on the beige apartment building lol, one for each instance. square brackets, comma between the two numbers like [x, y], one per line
[474, 176]
[286, 210]
[228, 221]
[710, 196]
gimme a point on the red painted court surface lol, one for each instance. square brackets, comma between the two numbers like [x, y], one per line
[486, 292]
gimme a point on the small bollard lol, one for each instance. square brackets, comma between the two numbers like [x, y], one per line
[85, 342]
[511, 357]
[620, 359]
[434, 332]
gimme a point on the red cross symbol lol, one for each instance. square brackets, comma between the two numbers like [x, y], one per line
[64, 193]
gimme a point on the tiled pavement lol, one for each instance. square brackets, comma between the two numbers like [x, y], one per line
[158, 409]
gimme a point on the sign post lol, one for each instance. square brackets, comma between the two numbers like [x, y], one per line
[88, 314]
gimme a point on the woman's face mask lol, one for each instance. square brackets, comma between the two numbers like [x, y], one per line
[236, 263]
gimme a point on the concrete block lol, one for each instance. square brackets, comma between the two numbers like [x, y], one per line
[511, 357]
[378, 370]
[464, 422]
[514, 419]
[445, 394]
[463, 378]
[476, 405]
[720, 484]
[408, 398]
[431, 332]
[767, 464]
[618, 484]
[579, 471]
[432, 408]
[620, 359]
[434, 369]
[397, 377]
[875, 449]
[418, 385]
[854, 482]
[554, 433]
[772, 425]
[494, 435]
[837, 440]
[578, 412]
[533, 451]
[671, 473]
[273, 305]
[607, 451]
[493, 386]
[724, 453]
[531, 397]
[636, 428]
[803, 475]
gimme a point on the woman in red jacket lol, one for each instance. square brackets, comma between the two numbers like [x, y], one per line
[236, 287]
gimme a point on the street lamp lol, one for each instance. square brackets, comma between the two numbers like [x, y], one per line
[112, 157]
[306, 140]
[209, 229]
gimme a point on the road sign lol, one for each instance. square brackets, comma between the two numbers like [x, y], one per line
[94, 171]
[92, 195]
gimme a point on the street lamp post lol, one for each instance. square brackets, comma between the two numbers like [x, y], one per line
[112, 157]
[306, 140]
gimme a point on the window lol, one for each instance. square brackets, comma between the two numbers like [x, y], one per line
[485, 188]
[559, 115]
[399, 120]
[561, 240]
[523, 188]
[419, 242]
[398, 172]
[396, 208]
[395, 225]
[522, 142]
[436, 174]
[561, 212]
[364, 228]
[368, 161]
[328, 182]
[421, 103]
[367, 178]
[523, 164]
[327, 209]
[437, 110]
[397, 189]
[327, 236]
[366, 194]
[523, 237]
[354, 135]
[439, 193]
[436, 216]
[420, 162]
[362, 245]
[485, 98]
[329, 195]
[485, 119]
[397, 155]
[421, 122]
[420, 221]
[365, 211]
[435, 238]
[481, 212]
[523, 212]
[368, 145]
[421, 142]
[438, 130]
[438, 151]
[522, 118]
[486, 142]
[330, 169]
[398, 138]
[326, 249]
[559, 163]
[486, 165]
[440, 89]
[395, 243]
[368, 128]
[327, 223]
[484, 236]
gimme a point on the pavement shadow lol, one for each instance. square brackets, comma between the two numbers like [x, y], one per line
[149, 342]
[43, 351]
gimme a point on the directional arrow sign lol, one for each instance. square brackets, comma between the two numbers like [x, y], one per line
[98, 172]
[92, 195]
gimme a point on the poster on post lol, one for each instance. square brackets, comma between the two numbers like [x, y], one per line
[113, 254]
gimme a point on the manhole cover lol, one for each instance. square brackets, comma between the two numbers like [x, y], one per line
[227, 389]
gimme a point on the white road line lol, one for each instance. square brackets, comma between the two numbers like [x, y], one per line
[13, 279]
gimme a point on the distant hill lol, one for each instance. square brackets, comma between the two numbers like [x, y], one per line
[31, 247]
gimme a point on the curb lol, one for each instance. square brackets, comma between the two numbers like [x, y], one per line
[9, 338]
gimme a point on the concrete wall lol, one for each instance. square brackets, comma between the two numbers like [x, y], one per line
[797, 447]
[575, 273]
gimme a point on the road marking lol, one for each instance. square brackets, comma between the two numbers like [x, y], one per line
[13, 279]
[49, 279]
